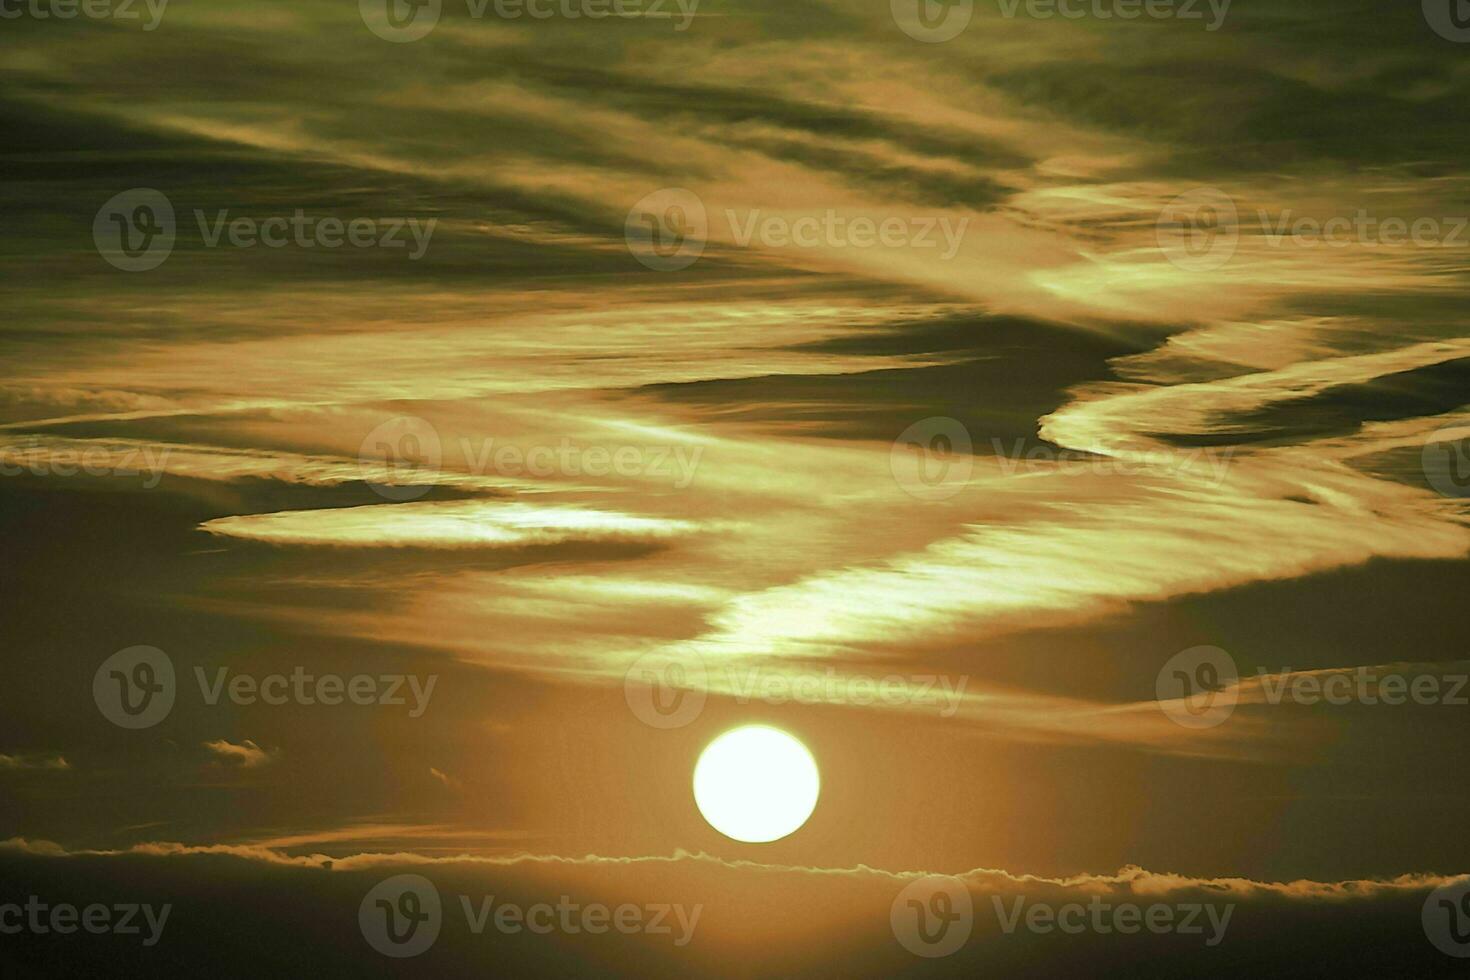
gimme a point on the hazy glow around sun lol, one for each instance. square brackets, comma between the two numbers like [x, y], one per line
[756, 784]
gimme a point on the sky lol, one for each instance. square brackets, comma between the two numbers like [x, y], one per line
[424, 427]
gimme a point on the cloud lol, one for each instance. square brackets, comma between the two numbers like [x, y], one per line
[34, 761]
[246, 755]
[1127, 881]
[448, 525]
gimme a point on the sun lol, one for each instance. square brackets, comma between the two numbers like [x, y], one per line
[756, 784]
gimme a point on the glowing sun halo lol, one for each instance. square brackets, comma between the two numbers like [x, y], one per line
[756, 784]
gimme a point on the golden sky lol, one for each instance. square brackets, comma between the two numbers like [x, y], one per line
[930, 380]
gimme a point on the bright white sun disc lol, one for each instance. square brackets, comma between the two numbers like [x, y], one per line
[756, 784]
